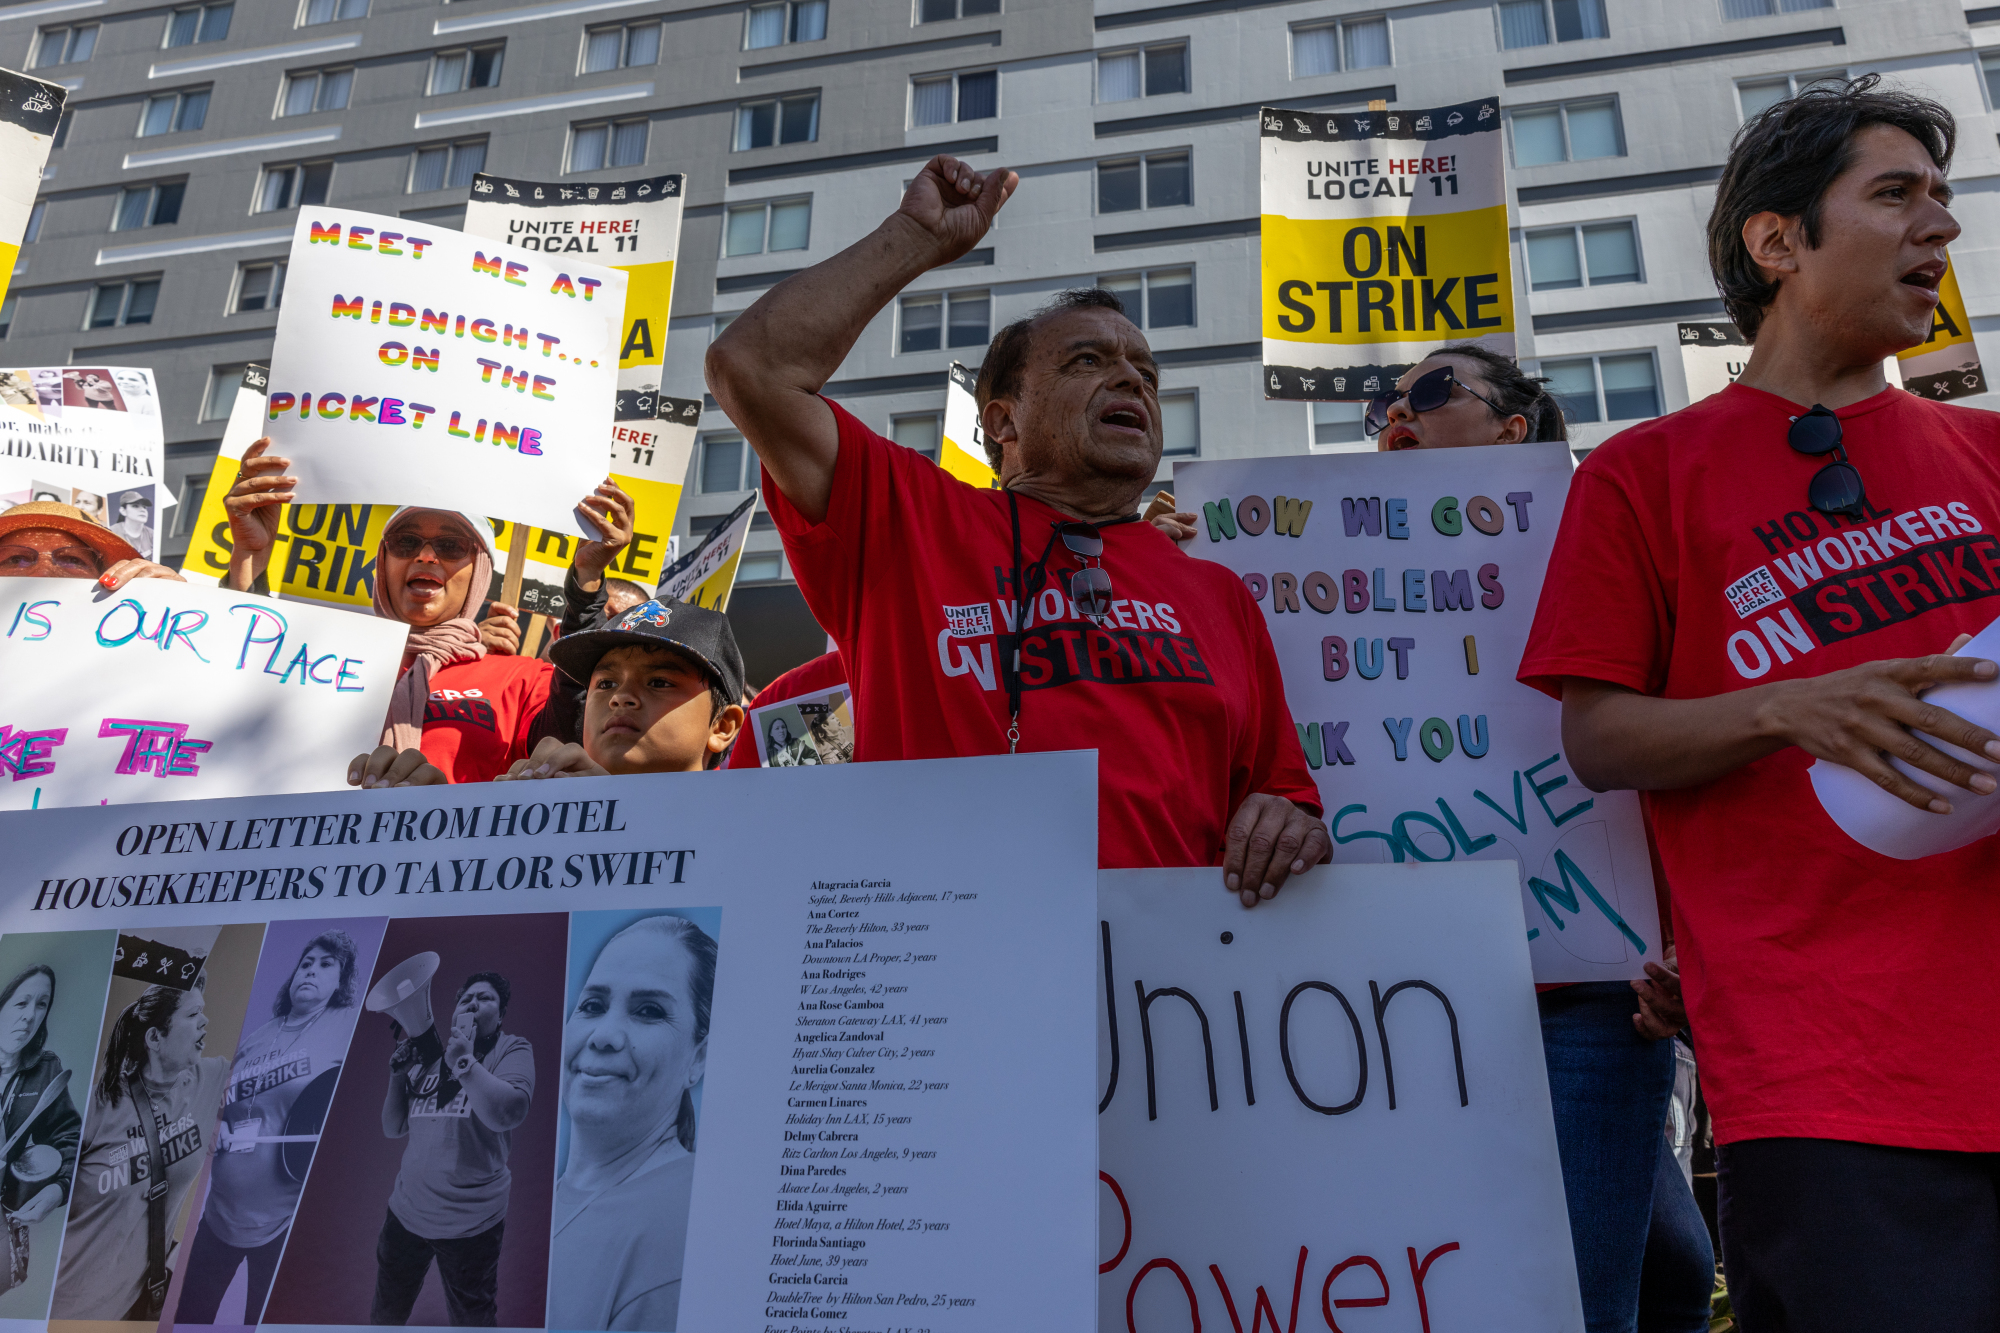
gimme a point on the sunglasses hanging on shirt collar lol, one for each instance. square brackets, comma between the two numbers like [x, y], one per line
[1835, 488]
[1089, 590]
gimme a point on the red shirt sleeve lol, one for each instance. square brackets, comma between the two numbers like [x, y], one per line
[877, 485]
[1605, 611]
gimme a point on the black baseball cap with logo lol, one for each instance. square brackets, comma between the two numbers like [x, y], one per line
[701, 634]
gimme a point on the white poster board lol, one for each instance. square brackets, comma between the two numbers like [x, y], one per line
[706, 575]
[633, 226]
[962, 451]
[895, 1111]
[1714, 353]
[1399, 590]
[167, 691]
[1335, 1101]
[1384, 235]
[443, 370]
[88, 436]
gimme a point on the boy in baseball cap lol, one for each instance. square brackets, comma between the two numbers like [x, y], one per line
[664, 690]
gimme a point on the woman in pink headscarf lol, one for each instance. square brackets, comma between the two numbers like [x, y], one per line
[458, 713]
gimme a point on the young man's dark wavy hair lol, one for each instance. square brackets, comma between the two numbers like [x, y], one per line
[1783, 161]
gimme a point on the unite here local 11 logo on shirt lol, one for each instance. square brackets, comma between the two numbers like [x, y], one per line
[1137, 642]
[1832, 578]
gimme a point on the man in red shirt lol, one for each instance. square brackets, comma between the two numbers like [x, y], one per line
[1041, 616]
[1720, 612]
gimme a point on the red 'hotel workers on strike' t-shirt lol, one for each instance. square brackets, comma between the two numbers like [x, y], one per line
[1835, 993]
[1179, 692]
[477, 718]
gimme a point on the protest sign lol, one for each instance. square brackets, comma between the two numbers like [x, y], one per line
[1399, 590]
[1946, 364]
[171, 691]
[633, 226]
[326, 553]
[707, 573]
[30, 110]
[88, 436]
[815, 728]
[1713, 354]
[1371, 1130]
[963, 450]
[649, 462]
[476, 411]
[1384, 234]
[829, 1131]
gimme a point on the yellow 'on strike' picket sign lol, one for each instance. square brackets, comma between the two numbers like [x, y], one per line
[1384, 235]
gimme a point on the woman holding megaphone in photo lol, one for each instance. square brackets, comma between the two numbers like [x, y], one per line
[39, 1125]
[1609, 1050]
[464, 702]
[457, 1098]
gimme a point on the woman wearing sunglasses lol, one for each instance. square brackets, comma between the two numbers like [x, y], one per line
[1460, 396]
[1609, 1051]
[458, 712]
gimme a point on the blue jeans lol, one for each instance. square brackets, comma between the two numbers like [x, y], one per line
[1609, 1088]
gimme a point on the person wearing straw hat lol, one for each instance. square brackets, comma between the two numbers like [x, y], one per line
[47, 540]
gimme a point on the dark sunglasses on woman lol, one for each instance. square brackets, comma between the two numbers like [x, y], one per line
[406, 545]
[1432, 390]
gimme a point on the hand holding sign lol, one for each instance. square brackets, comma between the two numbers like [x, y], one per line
[608, 509]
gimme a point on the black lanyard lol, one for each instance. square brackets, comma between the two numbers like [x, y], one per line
[1024, 598]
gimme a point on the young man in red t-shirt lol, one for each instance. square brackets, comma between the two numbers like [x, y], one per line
[1720, 611]
[1041, 616]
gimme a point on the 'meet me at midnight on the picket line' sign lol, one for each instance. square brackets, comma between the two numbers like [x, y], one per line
[481, 379]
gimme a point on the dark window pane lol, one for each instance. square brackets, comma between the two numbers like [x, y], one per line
[809, 21]
[628, 145]
[429, 172]
[1577, 19]
[145, 295]
[194, 110]
[81, 43]
[131, 210]
[935, 11]
[763, 119]
[255, 289]
[1167, 181]
[7, 314]
[486, 67]
[970, 320]
[182, 26]
[1166, 70]
[62, 131]
[215, 23]
[801, 120]
[317, 177]
[467, 160]
[972, 7]
[1170, 299]
[104, 306]
[922, 316]
[167, 204]
[979, 95]
[722, 466]
[1117, 187]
